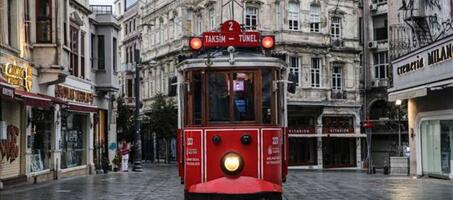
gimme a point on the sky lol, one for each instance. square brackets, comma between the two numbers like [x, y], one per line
[101, 2]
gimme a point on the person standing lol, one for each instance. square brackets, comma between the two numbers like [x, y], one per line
[125, 149]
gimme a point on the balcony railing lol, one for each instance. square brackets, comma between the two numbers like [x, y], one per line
[101, 9]
[337, 94]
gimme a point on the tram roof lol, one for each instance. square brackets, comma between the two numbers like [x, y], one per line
[242, 58]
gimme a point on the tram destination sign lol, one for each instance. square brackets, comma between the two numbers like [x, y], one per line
[231, 35]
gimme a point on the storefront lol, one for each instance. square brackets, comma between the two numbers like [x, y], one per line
[339, 144]
[77, 129]
[425, 79]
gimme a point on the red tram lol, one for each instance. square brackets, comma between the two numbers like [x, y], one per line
[232, 138]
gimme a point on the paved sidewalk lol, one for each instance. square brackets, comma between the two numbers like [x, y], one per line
[162, 182]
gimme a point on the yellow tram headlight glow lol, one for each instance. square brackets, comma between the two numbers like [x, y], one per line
[232, 163]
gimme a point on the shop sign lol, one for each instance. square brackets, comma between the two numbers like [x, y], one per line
[301, 130]
[74, 95]
[8, 146]
[429, 64]
[338, 130]
[18, 76]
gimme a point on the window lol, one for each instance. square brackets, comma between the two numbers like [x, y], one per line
[380, 65]
[212, 19]
[294, 67]
[380, 1]
[129, 88]
[92, 45]
[335, 28]
[27, 20]
[65, 22]
[125, 28]
[380, 28]
[74, 54]
[199, 25]
[43, 21]
[101, 52]
[315, 18]
[315, 72]
[243, 96]
[114, 58]
[266, 82]
[11, 22]
[251, 18]
[293, 16]
[337, 71]
[82, 54]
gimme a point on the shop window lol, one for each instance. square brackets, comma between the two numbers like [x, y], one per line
[339, 152]
[73, 135]
[315, 18]
[301, 124]
[437, 147]
[43, 21]
[316, 72]
[40, 140]
[380, 65]
[251, 17]
[293, 16]
[303, 151]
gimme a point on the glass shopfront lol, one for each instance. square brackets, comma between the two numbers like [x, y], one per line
[303, 151]
[40, 139]
[437, 147]
[73, 133]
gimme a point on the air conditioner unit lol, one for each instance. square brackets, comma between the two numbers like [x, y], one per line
[372, 44]
[373, 7]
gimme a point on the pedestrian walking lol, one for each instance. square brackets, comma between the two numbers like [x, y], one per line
[125, 149]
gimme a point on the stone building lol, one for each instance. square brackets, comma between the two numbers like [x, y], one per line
[58, 111]
[319, 40]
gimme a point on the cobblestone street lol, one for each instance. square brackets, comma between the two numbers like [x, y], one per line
[161, 182]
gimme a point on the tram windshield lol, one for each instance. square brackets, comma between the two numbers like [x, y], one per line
[221, 96]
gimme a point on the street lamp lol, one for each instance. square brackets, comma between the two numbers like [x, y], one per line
[137, 136]
[398, 103]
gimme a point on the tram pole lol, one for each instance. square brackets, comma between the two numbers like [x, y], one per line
[137, 136]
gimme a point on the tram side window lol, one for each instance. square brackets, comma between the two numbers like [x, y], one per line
[197, 86]
[244, 102]
[267, 96]
[219, 97]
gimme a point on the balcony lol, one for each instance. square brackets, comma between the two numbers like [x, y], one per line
[337, 94]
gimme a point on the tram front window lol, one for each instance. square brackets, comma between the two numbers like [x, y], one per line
[219, 97]
[244, 103]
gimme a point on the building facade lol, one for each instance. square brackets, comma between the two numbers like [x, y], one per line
[421, 45]
[318, 39]
[388, 119]
[59, 104]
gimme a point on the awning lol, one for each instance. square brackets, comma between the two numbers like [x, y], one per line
[82, 107]
[34, 100]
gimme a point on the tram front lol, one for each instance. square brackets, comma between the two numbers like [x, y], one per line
[232, 116]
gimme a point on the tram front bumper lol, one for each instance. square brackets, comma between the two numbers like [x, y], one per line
[236, 185]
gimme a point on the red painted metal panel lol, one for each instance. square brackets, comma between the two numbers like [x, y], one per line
[231, 141]
[180, 156]
[193, 157]
[272, 155]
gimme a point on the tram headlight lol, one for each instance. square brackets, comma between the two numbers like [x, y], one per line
[232, 163]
